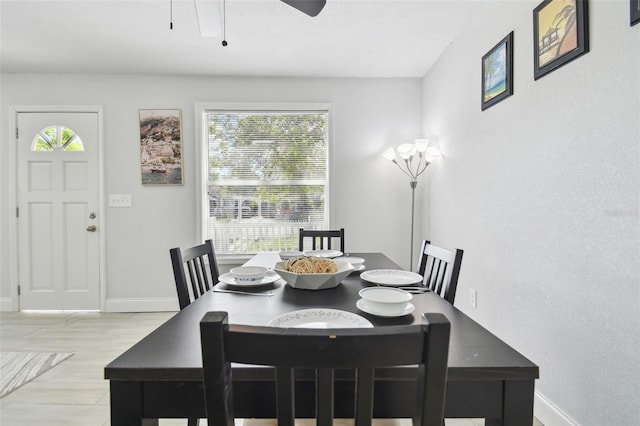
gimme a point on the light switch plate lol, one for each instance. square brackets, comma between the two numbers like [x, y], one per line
[473, 298]
[119, 200]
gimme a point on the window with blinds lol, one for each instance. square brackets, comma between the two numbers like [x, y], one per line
[267, 177]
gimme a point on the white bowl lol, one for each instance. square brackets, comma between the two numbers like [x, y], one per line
[248, 274]
[386, 300]
[314, 281]
[357, 262]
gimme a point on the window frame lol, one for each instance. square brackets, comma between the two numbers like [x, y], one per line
[201, 157]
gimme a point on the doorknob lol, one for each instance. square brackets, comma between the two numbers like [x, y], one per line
[91, 228]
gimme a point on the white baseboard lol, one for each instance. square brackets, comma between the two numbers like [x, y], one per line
[550, 414]
[166, 304]
[6, 304]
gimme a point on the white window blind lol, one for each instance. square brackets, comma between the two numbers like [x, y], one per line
[267, 177]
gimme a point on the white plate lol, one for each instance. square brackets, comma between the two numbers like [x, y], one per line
[364, 306]
[320, 318]
[323, 253]
[391, 277]
[359, 268]
[270, 278]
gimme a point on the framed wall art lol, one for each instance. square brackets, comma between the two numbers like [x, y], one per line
[560, 34]
[634, 16]
[497, 72]
[161, 146]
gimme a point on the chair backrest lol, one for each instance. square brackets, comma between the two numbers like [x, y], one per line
[195, 270]
[363, 349]
[321, 239]
[440, 268]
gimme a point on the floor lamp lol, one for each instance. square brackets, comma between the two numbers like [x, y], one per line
[412, 159]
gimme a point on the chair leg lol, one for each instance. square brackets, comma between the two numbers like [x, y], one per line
[193, 422]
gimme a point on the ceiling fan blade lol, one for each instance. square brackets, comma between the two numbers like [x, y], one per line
[209, 17]
[310, 7]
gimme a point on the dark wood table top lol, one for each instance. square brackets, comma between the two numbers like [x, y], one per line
[172, 351]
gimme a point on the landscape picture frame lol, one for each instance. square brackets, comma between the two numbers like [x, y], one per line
[497, 73]
[560, 34]
[161, 157]
[634, 12]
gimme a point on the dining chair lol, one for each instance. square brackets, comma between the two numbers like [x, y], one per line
[424, 345]
[440, 268]
[195, 270]
[200, 262]
[321, 239]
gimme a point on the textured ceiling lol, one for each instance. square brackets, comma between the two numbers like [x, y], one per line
[349, 38]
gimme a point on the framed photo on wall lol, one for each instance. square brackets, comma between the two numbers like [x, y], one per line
[497, 72]
[560, 34]
[161, 146]
[634, 12]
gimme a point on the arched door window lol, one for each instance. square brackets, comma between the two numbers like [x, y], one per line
[57, 138]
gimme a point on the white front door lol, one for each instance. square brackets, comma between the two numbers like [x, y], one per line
[58, 201]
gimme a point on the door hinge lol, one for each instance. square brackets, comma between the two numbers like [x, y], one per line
[16, 133]
[17, 211]
[18, 290]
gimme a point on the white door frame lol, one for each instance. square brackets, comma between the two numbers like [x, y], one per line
[13, 190]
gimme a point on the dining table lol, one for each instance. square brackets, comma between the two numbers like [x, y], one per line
[161, 375]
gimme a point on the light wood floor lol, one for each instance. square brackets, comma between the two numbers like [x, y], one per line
[75, 393]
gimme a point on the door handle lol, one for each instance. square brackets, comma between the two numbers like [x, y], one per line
[91, 228]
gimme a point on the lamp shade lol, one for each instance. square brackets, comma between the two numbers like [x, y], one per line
[421, 144]
[389, 154]
[433, 150]
[406, 150]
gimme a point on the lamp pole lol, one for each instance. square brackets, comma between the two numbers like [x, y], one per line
[423, 154]
[413, 185]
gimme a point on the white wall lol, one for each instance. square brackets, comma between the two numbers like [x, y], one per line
[368, 115]
[542, 193]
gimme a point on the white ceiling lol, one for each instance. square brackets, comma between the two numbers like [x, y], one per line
[349, 38]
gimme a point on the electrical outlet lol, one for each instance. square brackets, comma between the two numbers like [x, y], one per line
[119, 200]
[473, 298]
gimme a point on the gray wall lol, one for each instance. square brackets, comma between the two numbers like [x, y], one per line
[542, 193]
[366, 199]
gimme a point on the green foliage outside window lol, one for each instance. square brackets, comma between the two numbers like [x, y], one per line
[270, 167]
[58, 137]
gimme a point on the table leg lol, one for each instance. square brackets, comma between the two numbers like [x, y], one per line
[126, 405]
[517, 408]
